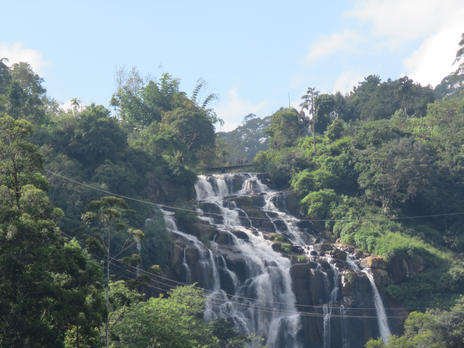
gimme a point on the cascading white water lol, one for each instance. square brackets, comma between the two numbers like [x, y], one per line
[188, 273]
[379, 308]
[382, 320]
[263, 303]
[328, 308]
[247, 281]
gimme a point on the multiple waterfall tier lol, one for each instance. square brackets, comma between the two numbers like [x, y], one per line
[266, 272]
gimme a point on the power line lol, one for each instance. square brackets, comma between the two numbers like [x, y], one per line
[234, 298]
[181, 283]
[193, 211]
[252, 217]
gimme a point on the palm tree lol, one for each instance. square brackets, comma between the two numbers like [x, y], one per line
[75, 104]
[203, 105]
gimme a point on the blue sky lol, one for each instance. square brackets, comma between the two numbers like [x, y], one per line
[253, 54]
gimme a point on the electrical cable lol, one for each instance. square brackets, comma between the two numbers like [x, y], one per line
[233, 299]
[252, 217]
[181, 283]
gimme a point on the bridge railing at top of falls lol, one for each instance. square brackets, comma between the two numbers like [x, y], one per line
[225, 169]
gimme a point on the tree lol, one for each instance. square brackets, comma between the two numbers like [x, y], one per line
[141, 104]
[309, 104]
[287, 125]
[433, 329]
[76, 105]
[5, 76]
[325, 112]
[203, 105]
[396, 172]
[26, 95]
[196, 132]
[105, 217]
[47, 286]
[460, 56]
[91, 137]
[175, 321]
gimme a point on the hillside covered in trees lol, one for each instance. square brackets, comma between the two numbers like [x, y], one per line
[383, 172]
[86, 258]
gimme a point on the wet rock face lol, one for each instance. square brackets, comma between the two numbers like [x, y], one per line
[308, 286]
[287, 201]
[339, 254]
[241, 235]
[399, 267]
[252, 254]
[358, 295]
[223, 238]
[212, 211]
[374, 262]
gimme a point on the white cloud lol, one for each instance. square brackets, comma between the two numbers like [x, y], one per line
[435, 24]
[346, 81]
[69, 105]
[338, 42]
[433, 59]
[233, 109]
[16, 53]
[402, 20]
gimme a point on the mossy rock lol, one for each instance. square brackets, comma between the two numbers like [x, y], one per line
[276, 237]
[286, 248]
[374, 262]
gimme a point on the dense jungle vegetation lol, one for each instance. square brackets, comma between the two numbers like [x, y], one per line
[68, 251]
[380, 169]
[383, 171]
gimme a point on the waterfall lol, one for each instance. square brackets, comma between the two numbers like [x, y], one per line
[382, 320]
[247, 281]
[328, 308]
[259, 297]
[188, 273]
[379, 308]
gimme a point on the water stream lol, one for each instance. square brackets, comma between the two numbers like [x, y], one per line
[248, 281]
[382, 320]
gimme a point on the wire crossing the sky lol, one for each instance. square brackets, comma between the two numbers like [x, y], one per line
[162, 205]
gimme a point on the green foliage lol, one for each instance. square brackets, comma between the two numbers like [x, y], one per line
[286, 247]
[328, 108]
[195, 131]
[116, 239]
[375, 100]
[319, 203]
[156, 245]
[244, 142]
[48, 287]
[386, 155]
[140, 104]
[24, 95]
[90, 137]
[174, 321]
[279, 165]
[397, 171]
[287, 125]
[432, 329]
